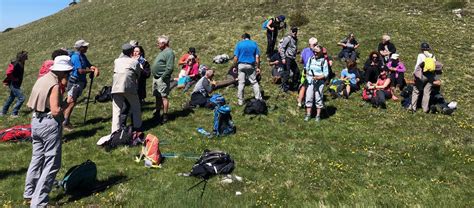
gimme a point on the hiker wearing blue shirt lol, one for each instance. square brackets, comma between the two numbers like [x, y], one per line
[316, 72]
[247, 61]
[77, 79]
[351, 77]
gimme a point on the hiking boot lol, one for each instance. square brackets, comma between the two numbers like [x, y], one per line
[68, 127]
[317, 119]
[306, 118]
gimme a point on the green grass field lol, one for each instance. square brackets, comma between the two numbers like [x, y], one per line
[359, 156]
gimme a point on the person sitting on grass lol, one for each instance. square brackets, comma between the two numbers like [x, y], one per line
[202, 90]
[372, 67]
[386, 48]
[382, 90]
[277, 67]
[349, 46]
[397, 74]
[184, 58]
[316, 73]
[351, 78]
[189, 73]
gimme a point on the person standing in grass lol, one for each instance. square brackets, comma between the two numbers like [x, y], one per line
[317, 70]
[247, 62]
[77, 79]
[288, 50]
[46, 132]
[306, 54]
[162, 68]
[124, 92]
[13, 81]
[273, 25]
[139, 54]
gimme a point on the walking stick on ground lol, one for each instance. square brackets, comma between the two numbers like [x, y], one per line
[88, 96]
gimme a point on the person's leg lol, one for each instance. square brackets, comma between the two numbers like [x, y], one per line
[8, 102]
[301, 95]
[36, 164]
[401, 81]
[270, 43]
[51, 136]
[135, 110]
[285, 75]
[426, 97]
[158, 100]
[74, 91]
[319, 96]
[117, 105]
[20, 98]
[353, 55]
[296, 74]
[348, 91]
[309, 101]
[253, 81]
[240, 88]
[415, 94]
[380, 96]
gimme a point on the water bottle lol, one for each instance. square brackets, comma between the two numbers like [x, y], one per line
[203, 132]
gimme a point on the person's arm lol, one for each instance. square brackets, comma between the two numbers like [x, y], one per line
[356, 44]
[169, 66]
[401, 67]
[257, 59]
[54, 102]
[325, 70]
[282, 50]
[269, 23]
[182, 60]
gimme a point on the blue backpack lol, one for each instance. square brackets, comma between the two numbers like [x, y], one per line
[265, 23]
[217, 100]
[223, 124]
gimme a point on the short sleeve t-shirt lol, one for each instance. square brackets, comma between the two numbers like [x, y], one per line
[246, 50]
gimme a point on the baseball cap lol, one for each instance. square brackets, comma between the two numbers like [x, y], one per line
[81, 43]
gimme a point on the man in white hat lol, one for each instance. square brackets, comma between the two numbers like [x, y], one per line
[46, 132]
[77, 79]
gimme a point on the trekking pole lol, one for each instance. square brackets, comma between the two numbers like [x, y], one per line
[88, 96]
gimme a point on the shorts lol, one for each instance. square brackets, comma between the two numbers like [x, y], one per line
[74, 88]
[160, 88]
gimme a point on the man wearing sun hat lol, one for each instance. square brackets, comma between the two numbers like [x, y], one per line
[46, 132]
[78, 79]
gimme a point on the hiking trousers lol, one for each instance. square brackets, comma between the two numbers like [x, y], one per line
[119, 107]
[247, 71]
[271, 40]
[285, 74]
[15, 92]
[424, 86]
[314, 93]
[45, 162]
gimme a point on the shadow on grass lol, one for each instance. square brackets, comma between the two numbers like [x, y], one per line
[328, 111]
[153, 122]
[97, 120]
[7, 173]
[100, 186]
[82, 133]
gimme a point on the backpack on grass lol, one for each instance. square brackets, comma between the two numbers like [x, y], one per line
[105, 95]
[150, 152]
[216, 100]
[80, 178]
[223, 124]
[212, 163]
[256, 107]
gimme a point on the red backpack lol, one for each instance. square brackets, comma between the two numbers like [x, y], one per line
[9, 73]
[16, 133]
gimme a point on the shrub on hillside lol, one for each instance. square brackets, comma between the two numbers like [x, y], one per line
[298, 19]
[8, 29]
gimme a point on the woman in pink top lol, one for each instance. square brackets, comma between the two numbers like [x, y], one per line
[382, 90]
[397, 74]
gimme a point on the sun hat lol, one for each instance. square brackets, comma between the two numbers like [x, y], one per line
[81, 43]
[394, 56]
[62, 63]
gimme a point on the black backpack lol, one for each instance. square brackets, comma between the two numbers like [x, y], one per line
[212, 163]
[105, 95]
[256, 107]
[122, 136]
[80, 178]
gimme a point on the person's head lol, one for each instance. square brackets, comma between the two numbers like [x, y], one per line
[351, 64]
[127, 49]
[317, 50]
[383, 73]
[191, 60]
[192, 51]
[163, 42]
[59, 52]
[350, 36]
[22, 56]
[374, 56]
[394, 58]
[425, 47]
[385, 38]
[209, 74]
[136, 51]
[312, 42]
[294, 31]
[246, 36]
[62, 67]
[280, 18]
[81, 46]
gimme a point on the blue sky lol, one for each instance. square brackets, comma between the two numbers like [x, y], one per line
[14, 13]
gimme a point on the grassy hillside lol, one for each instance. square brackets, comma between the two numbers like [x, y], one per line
[358, 156]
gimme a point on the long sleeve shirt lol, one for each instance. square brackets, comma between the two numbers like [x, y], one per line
[288, 48]
[163, 65]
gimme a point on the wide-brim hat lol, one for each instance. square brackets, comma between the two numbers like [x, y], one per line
[62, 63]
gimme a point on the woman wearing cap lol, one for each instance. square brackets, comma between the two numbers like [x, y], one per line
[46, 132]
[397, 74]
[316, 73]
[382, 90]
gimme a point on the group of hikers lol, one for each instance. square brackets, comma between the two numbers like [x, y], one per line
[67, 74]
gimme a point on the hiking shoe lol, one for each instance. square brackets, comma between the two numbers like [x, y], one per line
[317, 119]
[306, 118]
[300, 105]
[68, 127]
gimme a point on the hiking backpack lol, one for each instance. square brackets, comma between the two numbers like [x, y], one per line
[122, 136]
[256, 107]
[16, 133]
[223, 124]
[8, 73]
[105, 95]
[212, 163]
[429, 64]
[151, 151]
[79, 178]
[216, 100]
[265, 23]
[367, 94]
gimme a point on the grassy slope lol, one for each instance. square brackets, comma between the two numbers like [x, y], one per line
[359, 156]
